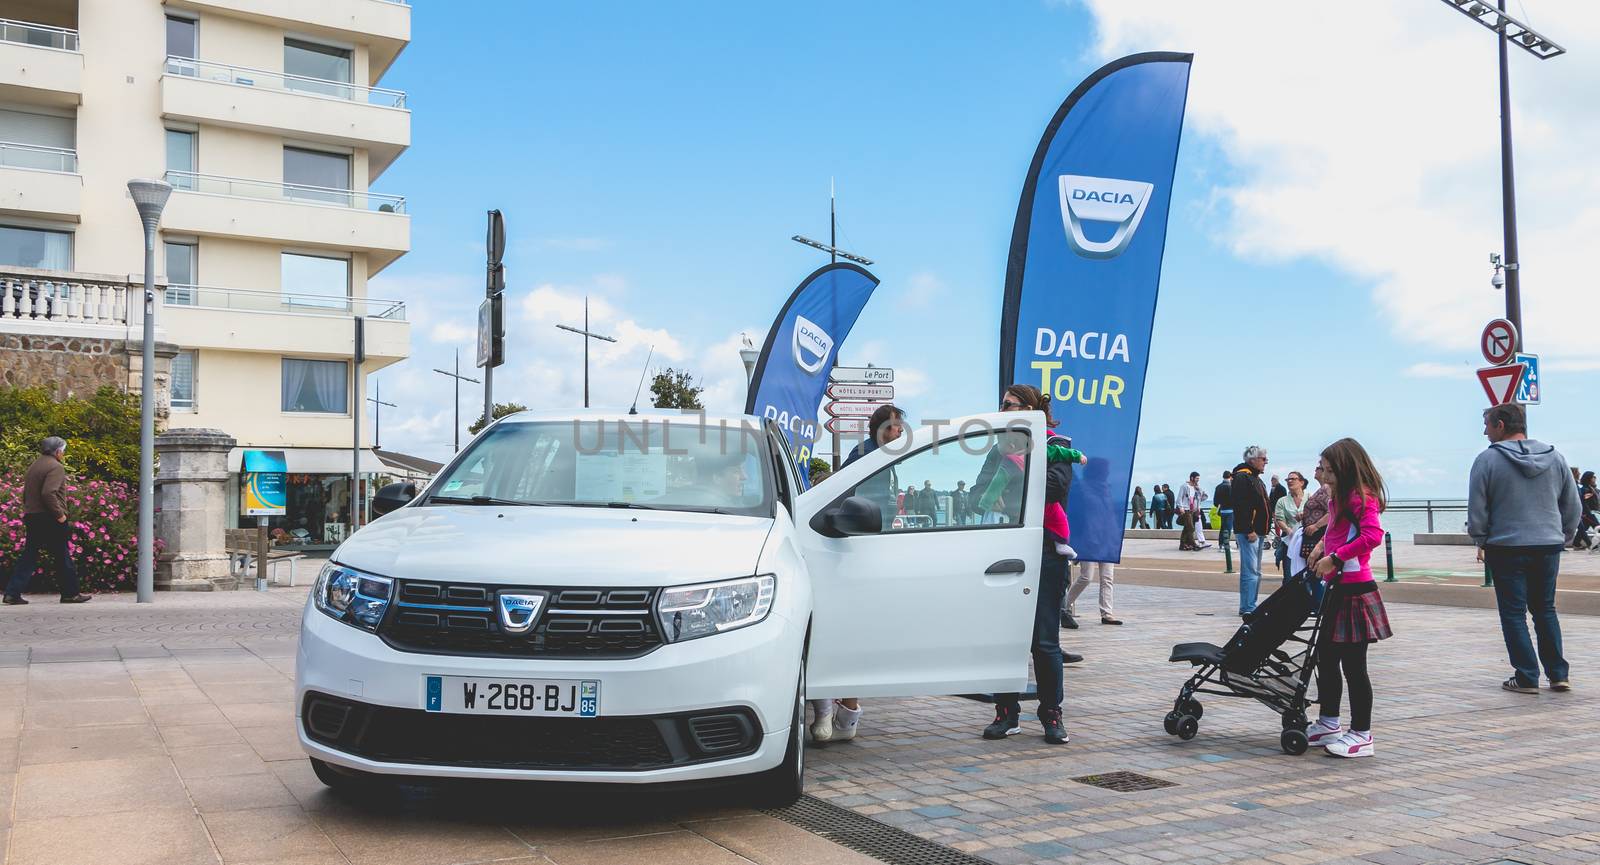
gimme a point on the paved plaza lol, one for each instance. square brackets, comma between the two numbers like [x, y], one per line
[163, 734]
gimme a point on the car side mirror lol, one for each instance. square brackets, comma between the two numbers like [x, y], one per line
[856, 515]
[393, 497]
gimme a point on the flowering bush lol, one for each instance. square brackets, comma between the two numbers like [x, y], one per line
[104, 518]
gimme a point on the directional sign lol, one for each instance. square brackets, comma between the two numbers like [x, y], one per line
[861, 391]
[851, 409]
[846, 424]
[1500, 382]
[867, 374]
[1528, 387]
[1499, 341]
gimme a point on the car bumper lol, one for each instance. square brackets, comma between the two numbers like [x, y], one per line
[752, 671]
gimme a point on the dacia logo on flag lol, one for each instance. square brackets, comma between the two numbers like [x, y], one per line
[519, 612]
[1102, 199]
[811, 345]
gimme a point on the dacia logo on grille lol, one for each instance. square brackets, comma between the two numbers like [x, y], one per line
[519, 612]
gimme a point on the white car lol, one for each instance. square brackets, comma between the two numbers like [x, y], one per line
[591, 597]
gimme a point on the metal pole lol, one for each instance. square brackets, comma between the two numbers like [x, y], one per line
[358, 357]
[488, 393]
[1430, 515]
[486, 407]
[377, 414]
[1508, 194]
[262, 546]
[586, 353]
[146, 584]
[1223, 537]
[833, 234]
[1388, 553]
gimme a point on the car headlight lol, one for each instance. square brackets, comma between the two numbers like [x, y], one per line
[351, 596]
[687, 612]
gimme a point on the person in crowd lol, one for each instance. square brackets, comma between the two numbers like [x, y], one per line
[1172, 505]
[44, 519]
[1158, 505]
[928, 502]
[1102, 572]
[1251, 521]
[1521, 510]
[1589, 504]
[1353, 615]
[1191, 510]
[1222, 500]
[1274, 492]
[1286, 518]
[1046, 649]
[959, 504]
[1139, 522]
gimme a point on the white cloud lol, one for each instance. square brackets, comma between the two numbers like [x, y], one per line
[450, 330]
[1371, 143]
[921, 290]
[1431, 369]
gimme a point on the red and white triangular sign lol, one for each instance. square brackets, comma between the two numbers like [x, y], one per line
[1500, 382]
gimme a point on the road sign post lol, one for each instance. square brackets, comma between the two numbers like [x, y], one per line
[1499, 341]
[862, 374]
[1528, 387]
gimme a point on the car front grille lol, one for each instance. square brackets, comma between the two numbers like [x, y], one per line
[624, 743]
[462, 619]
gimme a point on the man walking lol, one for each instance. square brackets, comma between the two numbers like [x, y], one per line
[1222, 500]
[44, 515]
[1521, 510]
[1190, 499]
[958, 503]
[1251, 519]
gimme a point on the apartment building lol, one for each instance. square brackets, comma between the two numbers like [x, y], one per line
[266, 118]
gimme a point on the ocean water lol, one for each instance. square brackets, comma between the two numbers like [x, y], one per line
[1407, 518]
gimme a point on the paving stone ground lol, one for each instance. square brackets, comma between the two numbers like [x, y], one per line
[163, 733]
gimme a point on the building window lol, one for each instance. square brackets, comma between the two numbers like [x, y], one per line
[35, 247]
[182, 272]
[315, 280]
[329, 66]
[183, 381]
[181, 158]
[315, 386]
[181, 34]
[40, 141]
[315, 175]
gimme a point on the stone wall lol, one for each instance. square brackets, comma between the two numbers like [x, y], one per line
[77, 366]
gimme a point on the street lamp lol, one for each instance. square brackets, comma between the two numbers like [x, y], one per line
[749, 354]
[149, 197]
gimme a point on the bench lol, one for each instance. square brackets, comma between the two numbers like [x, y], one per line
[240, 545]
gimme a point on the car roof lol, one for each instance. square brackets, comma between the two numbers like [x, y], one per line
[652, 415]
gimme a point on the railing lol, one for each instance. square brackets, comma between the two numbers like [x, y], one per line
[210, 183]
[16, 155]
[52, 298]
[211, 297]
[38, 35]
[1404, 517]
[206, 70]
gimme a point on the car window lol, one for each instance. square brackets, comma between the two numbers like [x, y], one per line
[977, 481]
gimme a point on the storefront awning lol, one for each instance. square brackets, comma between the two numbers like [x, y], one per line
[315, 461]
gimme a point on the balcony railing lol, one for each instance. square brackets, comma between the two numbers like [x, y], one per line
[38, 157]
[38, 35]
[243, 76]
[44, 296]
[214, 185]
[300, 303]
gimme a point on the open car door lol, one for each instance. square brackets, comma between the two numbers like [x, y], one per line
[924, 599]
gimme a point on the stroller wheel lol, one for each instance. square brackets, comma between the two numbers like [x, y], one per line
[1193, 707]
[1188, 725]
[1293, 741]
[1295, 720]
[1171, 723]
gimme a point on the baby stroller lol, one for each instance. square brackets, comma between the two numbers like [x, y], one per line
[1270, 658]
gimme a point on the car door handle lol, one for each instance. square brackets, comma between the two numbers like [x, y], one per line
[1007, 566]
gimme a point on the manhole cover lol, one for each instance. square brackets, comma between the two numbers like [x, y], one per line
[865, 835]
[1124, 782]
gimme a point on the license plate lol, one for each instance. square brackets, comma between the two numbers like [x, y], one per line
[475, 695]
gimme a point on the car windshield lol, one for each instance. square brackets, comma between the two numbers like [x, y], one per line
[646, 463]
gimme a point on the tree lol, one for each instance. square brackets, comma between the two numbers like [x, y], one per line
[501, 409]
[817, 468]
[675, 388]
[102, 431]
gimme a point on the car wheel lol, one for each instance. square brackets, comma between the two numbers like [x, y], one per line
[783, 785]
[341, 779]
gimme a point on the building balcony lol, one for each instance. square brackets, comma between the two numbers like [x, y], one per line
[40, 181]
[336, 112]
[234, 319]
[39, 65]
[67, 304]
[384, 26]
[311, 216]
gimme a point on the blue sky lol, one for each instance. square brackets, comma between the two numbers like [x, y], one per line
[657, 158]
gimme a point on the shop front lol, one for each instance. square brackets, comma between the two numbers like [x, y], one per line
[319, 505]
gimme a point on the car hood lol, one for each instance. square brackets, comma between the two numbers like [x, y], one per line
[556, 545]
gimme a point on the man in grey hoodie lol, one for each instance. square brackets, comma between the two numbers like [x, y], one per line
[1521, 510]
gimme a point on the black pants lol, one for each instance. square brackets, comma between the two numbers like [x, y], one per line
[1046, 648]
[1352, 658]
[44, 535]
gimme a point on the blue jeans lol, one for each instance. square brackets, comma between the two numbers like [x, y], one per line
[1227, 523]
[1249, 573]
[1525, 582]
[1047, 660]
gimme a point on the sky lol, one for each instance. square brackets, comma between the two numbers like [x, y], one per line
[1336, 200]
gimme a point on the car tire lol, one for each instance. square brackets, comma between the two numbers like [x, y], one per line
[342, 780]
[782, 786]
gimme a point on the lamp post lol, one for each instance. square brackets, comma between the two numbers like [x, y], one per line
[459, 379]
[749, 354]
[587, 335]
[149, 198]
[377, 413]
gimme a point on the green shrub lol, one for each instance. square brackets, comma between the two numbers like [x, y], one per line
[102, 432]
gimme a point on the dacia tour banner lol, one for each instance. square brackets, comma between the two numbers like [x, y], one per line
[1085, 264]
[791, 376]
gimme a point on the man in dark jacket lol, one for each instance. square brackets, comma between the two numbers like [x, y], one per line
[1251, 519]
[44, 514]
[958, 503]
[1222, 500]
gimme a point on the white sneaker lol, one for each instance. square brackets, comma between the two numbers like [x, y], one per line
[822, 725]
[845, 720]
[1322, 733]
[1351, 744]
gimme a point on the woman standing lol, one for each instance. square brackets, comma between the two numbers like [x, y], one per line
[1286, 517]
[1588, 511]
[1139, 521]
[1353, 615]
